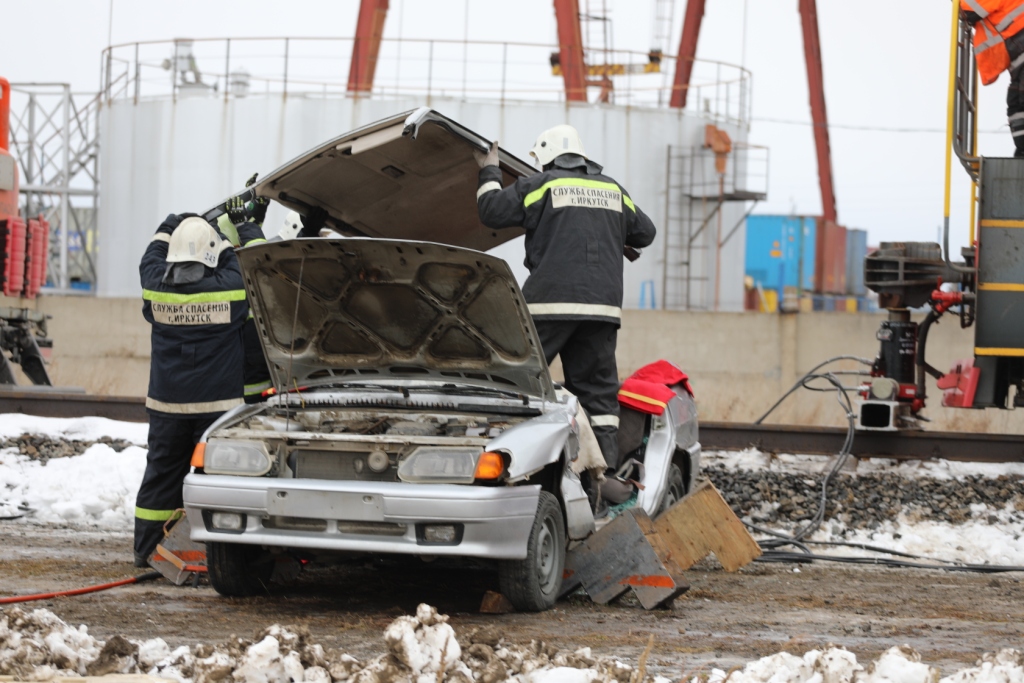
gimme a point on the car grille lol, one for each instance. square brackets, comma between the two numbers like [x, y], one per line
[343, 526]
[339, 466]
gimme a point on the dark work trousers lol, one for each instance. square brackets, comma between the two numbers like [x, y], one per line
[1015, 93]
[587, 350]
[171, 442]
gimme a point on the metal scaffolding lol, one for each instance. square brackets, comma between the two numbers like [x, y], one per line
[55, 138]
[694, 232]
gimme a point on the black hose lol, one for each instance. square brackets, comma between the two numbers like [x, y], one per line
[770, 546]
[771, 556]
[922, 342]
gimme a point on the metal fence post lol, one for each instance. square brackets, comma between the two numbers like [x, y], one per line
[504, 68]
[285, 67]
[65, 196]
[430, 71]
[227, 68]
[138, 79]
[109, 66]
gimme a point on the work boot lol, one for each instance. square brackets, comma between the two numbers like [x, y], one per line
[141, 561]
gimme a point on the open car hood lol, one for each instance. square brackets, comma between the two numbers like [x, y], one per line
[411, 176]
[372, 309]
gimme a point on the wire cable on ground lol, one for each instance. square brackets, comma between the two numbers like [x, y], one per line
[141, 578]
[771, 546]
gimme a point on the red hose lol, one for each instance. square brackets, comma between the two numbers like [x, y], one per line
[149, 576]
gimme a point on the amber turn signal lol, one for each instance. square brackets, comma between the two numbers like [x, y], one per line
[199, 455]
[489, 466]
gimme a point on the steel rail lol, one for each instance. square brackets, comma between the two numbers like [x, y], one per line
[48, 403]
[905, 445]
[796, 439]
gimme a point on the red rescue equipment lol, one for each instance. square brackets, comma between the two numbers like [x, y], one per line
[649, 389]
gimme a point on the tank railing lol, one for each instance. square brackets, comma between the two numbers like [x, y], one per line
[424, 69]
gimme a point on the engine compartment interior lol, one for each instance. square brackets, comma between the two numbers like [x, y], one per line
[391, 422]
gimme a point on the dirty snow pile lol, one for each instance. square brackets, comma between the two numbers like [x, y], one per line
[964, 512]
[424, 649]
[78, 472]
[420, 649]
[895, 665]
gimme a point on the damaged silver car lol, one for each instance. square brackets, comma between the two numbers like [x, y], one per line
[415, 413]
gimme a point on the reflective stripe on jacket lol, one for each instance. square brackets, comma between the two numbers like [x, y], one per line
[998, 20]
[197, 351]
[577, 222]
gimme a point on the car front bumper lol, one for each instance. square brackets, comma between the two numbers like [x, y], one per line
[359, 516]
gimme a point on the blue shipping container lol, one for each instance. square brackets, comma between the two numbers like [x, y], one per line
[780, 251]
[856, 252]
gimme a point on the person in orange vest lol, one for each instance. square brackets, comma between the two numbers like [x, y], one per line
[999, 46]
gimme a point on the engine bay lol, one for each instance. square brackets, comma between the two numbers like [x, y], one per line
[382, 423]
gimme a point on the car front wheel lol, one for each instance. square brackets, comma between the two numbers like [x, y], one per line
[532, 584]
[238, 570]
[675, 491]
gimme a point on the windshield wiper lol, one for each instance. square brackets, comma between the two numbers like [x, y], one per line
[452, 387]
[361, 385]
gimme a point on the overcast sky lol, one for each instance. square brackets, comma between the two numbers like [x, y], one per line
[877, 76]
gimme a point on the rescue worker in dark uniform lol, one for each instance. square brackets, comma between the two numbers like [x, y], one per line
[243, 225]
[194, 299]
[578, 223]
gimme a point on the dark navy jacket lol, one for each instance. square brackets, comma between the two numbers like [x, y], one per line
[577, 222]
[197, 351]
[256, 372]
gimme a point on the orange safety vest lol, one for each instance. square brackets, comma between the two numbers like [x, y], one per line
[1000, 19]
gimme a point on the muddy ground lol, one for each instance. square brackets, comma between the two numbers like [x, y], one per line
[723, 621]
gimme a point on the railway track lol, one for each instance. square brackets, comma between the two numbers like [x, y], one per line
[713, 435]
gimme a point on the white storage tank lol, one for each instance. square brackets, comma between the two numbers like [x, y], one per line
[189, 147]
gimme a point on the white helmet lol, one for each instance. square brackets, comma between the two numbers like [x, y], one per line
[556, 141]
[195, 240]
[291, 227]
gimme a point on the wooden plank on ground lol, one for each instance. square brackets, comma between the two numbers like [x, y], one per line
[703, 523]
[626, 554]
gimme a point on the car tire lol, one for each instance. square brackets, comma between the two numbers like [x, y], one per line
[532, 584]
[675, 490]
[238, 570]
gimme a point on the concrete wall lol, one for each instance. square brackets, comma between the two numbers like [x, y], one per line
[739, 363]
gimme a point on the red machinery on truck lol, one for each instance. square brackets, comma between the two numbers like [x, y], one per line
[24, 246]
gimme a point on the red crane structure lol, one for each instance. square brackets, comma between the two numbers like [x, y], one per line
[370, 29]
[815, 82]
[366, 46]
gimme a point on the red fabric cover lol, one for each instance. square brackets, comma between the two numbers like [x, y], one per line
[644, 396]
[663, 372]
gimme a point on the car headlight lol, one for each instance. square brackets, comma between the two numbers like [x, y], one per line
[441, 465]
[248, 458]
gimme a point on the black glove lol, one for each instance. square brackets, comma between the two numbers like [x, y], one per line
[257, 208]
[313, 222]
[236, 210]
[243, 208]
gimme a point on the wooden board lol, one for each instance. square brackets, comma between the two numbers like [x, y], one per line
[703, 523]
[625, 555]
